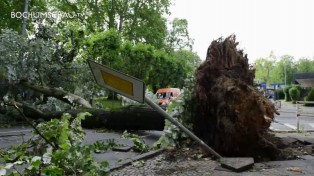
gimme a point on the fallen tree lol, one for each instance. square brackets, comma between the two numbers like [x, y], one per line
[126, 118]
[60, 94]
[231, 115]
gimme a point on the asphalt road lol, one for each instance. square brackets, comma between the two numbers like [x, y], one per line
[287, 121]
[16, 135]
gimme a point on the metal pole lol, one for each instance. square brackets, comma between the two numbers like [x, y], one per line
[298, 116]
[181, 127]
[285, 74]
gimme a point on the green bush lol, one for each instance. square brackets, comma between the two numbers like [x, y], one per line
[280, 95]
[286, 92]
[309, 97]
[294, 93]
[301, 89]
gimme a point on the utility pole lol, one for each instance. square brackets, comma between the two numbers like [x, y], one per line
[24, 18]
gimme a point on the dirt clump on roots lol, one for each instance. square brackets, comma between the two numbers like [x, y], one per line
[231, 115]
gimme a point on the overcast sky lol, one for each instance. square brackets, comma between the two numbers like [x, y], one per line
[261, 26]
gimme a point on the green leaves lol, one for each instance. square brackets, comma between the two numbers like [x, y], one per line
[178, 35]
[181, 109]
[139, 144]
[272, 70]
[102, 147]
[71, 157]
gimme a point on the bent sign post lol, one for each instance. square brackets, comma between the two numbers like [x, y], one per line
[134, 89]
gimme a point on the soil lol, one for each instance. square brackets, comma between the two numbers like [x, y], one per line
[230, 114]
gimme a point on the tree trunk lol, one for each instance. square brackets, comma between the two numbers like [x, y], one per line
[127, 118]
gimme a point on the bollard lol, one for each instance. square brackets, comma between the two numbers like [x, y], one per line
[298, 116]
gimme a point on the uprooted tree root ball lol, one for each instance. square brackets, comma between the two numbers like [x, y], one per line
[231, 115]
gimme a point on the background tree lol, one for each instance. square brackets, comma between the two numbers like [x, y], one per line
[131, 40]
[17, 6]
[136, 21]
[284, 70]
[264, 69]
[178, 35]
[190, 58]
[304, 65]
[273, 70]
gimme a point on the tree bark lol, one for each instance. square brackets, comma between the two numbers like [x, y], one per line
[127, 118]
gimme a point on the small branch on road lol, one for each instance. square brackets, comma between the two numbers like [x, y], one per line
[33, 126]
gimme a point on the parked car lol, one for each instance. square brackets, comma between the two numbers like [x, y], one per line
[166, 95]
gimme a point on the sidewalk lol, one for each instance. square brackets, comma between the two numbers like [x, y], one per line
[189, 165]
[289, 107]
[186, 166]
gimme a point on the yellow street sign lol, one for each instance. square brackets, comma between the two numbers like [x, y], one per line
[116, 81]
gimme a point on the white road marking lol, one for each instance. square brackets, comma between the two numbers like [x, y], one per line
[290, 126]
[312, 125]
[274, 129]
[20, 131]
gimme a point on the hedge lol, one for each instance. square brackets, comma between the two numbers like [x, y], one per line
[309, 97]
[294, 93]
[286, 92]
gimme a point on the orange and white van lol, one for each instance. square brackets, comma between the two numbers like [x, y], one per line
[166, 95]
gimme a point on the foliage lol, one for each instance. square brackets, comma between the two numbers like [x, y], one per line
[310, 97]
[279, 70]
[108, 105]
[178, 36]
[300, 89]
[181, 109]
[53, 104]
[22, 60]
[286, 92]
[101, 146]
[65, 154]
[294, 94]
[122, 34]
[135, 56]
[161, 69]
[37, 60]
[148, 94]
[192, 60]
[264, 67]
[285, 67]
[139, 144]
[104, 47]
[305, 65]
[9, 6]
[136, 21]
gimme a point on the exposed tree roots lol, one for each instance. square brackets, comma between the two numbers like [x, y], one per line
[232, 116]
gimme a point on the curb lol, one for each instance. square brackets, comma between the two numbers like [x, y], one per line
[137, 158]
